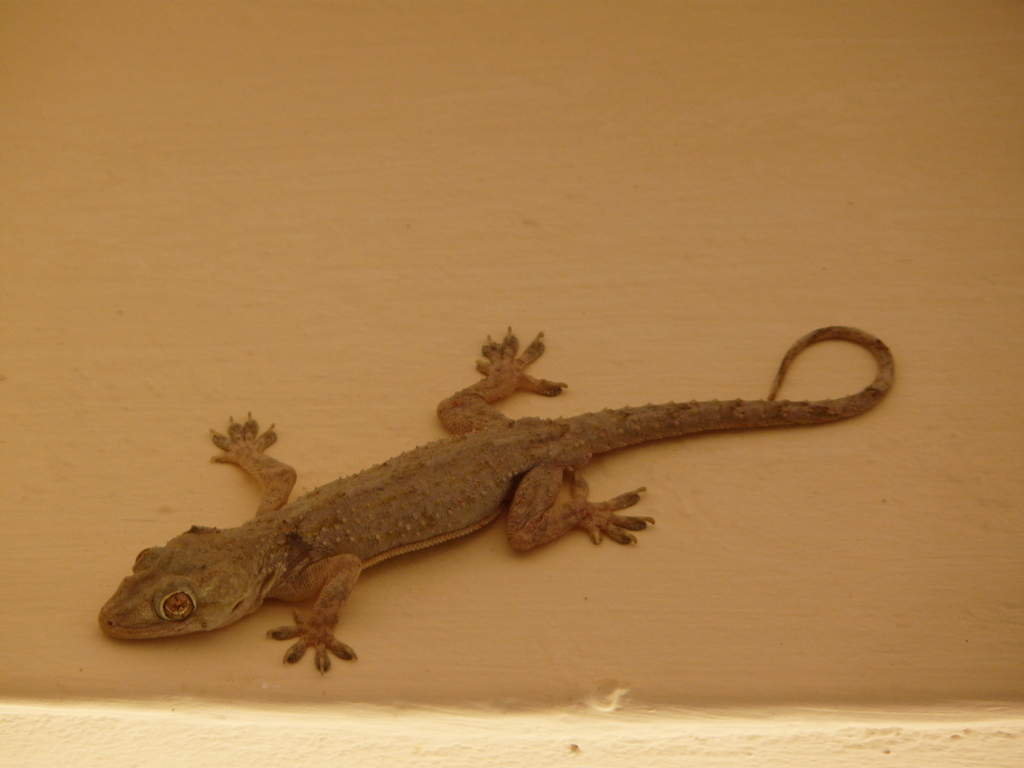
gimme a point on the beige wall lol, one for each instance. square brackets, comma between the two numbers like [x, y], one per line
[317, 212]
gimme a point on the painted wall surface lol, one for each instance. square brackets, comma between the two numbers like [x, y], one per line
[318, 211]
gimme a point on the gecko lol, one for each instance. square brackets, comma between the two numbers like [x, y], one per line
[314, 548]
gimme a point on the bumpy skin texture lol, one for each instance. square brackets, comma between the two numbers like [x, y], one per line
[316, 547]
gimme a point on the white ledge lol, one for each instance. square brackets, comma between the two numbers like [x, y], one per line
[175, 733]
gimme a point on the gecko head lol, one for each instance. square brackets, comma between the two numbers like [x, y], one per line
[202, 579]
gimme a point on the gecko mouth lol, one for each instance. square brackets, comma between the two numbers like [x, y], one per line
[112, 628]
[126, 624]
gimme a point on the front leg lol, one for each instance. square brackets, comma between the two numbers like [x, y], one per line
[334, 577]
[244, 447]
[470, 409]
[534, 519]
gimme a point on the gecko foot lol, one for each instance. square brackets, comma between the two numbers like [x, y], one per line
[244, 446]
[310, 635]
[242, 439]
[598, 518]
[502, 363]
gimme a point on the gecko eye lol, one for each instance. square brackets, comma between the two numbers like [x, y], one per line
[176, 606]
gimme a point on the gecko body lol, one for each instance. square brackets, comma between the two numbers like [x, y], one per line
[315, 547]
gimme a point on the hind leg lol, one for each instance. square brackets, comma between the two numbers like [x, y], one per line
[471, 408]
[535, 519]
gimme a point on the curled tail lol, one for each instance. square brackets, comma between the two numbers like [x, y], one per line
[611, 429]
[851, 405]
